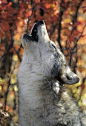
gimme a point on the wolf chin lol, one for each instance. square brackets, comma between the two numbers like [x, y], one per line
[43, 98]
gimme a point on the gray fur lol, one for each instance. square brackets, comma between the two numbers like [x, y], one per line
[43, 98]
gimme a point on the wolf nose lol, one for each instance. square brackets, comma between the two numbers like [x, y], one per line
[77, 79]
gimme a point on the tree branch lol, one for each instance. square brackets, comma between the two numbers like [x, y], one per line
[75, 45]
[62, 10]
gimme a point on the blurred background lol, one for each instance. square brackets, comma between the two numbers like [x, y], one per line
[66, 25]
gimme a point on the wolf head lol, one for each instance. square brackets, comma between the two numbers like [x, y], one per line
[42, 50]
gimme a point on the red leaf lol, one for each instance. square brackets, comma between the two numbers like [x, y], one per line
[10, 3]
[4, 26]
[42, 7]
[70, 38]
[84, 10]
[3, 2]
[37, 1]
[29, 13]
[2, 34]
[47, 5]
[82, 36]
[64, 5]
[54, 18]
[76, 23]
[82, 86]
[84, 7]
[76, 32]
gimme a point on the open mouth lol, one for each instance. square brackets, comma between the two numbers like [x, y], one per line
[27, 37]
[34, 30]
[33, 35]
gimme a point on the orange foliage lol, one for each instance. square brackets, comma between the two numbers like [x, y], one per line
[18, 17]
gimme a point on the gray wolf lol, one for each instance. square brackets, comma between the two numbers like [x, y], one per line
[43, 73]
